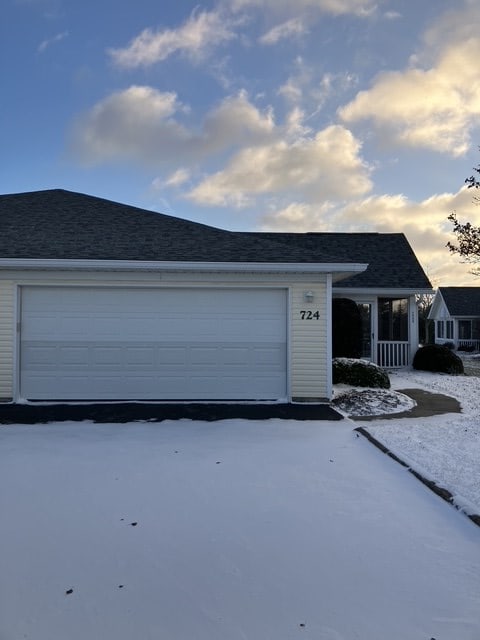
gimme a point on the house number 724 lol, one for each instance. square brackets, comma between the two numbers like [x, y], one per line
[309, 315]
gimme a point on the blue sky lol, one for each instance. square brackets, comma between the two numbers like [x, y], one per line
[327, 115]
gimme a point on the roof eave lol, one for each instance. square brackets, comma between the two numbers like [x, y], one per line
[341, 270]
[384, 290]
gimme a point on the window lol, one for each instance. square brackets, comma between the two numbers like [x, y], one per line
[469, 329]
[440, 329]
[393, 319]
[476, 329]
[465, 329]
[449, 329]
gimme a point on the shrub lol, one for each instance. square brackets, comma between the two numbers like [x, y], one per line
[347, 329]
[438, 358]
[359, 373]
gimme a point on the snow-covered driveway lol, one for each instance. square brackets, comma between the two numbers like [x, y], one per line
[230, 530]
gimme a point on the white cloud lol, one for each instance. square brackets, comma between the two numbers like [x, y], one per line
[291, 91]
[334, 7]
[299, 82]
[292, 28]
[294, 125]
[306, 87]
[49, 41]
[196, 37]
[327, 165]
[392, 15]
[435, 106]
[236, 119]
[424, 223]
[298, 217]
[332, 85]
[175, 179]
[454, 26]
[142, 124]
[133, 123]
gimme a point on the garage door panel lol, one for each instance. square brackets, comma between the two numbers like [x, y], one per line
[108, 355]
[236, 355]
[39, 355]
[80, 343]
[273, 356]
[130, 358]
[204, 355]
[77, 356]
[140, 357]
[172, 355]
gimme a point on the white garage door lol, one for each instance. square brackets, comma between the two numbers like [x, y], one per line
[165, 344]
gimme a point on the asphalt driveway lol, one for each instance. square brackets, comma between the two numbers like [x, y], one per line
[122, 412]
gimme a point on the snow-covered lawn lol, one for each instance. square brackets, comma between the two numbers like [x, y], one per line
[444, 448]
[237, 530]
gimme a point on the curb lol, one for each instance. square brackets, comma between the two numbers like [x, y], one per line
[433, 486]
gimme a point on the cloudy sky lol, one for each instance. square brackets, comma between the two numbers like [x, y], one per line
[279, 115]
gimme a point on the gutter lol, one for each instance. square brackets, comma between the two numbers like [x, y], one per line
[345, 269]
[380, 290]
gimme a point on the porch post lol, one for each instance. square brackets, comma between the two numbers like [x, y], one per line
[329, 337]
[412, 327]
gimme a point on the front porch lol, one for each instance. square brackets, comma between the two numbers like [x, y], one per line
[463, 334]
[389, 327]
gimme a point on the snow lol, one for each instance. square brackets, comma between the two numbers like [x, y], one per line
[444, 448]
[241, 530]
[370, 402]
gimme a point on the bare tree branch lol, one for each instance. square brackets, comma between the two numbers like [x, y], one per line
[467, 244]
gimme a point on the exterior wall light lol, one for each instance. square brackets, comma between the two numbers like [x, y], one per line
[308, 296]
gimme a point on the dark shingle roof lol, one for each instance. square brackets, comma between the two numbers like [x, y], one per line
[58, 224]
[391, 261]
[461, 301]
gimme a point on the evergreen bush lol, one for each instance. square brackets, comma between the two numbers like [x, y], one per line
[359, 373]
[437, 358]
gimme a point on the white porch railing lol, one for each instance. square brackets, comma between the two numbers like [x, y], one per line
[468, 345]
[393, 355]
[460, 345]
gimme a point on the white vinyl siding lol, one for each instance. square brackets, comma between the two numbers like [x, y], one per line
[309, 343]
[307, 349]
[7, 339]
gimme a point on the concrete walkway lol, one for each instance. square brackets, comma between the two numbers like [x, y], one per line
[244, 530]
[428, 404]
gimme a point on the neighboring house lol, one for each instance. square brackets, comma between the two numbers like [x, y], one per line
[104, 301]
[456, 312]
